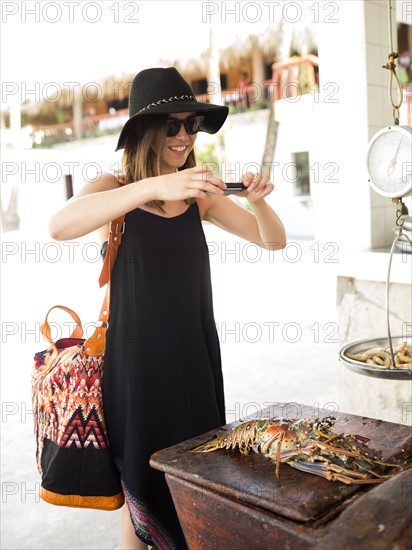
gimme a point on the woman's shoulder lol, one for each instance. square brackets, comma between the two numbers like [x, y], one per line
[112, 180]
[105, 182]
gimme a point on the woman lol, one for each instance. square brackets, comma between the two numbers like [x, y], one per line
[163, 379]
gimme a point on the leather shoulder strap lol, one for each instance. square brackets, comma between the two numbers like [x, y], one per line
[115, 239]
[96, 344]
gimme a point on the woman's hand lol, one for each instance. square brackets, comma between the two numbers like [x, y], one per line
[194, 182]
[258, 186]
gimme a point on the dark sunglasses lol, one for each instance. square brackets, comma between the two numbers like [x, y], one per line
[192, 125]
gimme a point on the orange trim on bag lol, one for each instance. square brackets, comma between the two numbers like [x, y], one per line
[76, 501]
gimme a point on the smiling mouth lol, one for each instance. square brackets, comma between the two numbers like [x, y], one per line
[179, 148]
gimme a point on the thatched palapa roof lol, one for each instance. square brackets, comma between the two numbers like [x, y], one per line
[236, 48]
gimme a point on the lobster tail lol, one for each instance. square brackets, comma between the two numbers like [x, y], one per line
[243, 437]
[209, 446]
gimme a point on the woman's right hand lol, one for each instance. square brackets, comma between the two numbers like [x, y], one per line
[197, 182]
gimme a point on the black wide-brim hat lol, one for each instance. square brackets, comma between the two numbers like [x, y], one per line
[162, 91]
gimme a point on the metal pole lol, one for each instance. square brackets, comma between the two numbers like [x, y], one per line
[69, 186]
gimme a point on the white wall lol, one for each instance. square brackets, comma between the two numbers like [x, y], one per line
[296, 119]
[342, 209]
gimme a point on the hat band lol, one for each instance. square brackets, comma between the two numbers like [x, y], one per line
[171, 99]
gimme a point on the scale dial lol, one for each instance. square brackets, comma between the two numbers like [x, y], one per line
[389, 162]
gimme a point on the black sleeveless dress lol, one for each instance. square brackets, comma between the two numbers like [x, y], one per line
[162, 381]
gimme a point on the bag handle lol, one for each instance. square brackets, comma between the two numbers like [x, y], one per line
[96, 344]
[46, 330]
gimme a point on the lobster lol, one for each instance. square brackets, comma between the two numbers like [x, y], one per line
[307, 445]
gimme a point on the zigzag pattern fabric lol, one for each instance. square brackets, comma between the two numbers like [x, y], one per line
[67, 392]
[146, 524]
[69, 427]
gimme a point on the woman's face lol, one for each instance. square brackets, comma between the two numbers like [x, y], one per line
[175, 149]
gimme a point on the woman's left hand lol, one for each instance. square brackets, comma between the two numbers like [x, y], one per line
[258, 186]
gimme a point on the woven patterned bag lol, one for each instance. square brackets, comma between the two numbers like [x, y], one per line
[73, 454]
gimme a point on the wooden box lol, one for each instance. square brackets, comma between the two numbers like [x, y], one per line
[226, 500]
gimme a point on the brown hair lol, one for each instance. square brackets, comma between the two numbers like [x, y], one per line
[140, 159]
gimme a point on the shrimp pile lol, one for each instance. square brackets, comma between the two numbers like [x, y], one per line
[381, 357]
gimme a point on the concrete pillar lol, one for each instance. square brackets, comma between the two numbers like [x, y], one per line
[340, 189]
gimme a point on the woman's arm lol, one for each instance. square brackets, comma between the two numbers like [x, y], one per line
[271, 229]
[262, 227]
[100, 202]
[97, 204]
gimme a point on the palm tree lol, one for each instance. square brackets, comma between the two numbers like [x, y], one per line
[285, 40]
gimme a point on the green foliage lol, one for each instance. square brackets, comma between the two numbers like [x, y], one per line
[46, 144]
[254, 106]
[93, 133]
[261, 104]
[61, 115]
[207, 155]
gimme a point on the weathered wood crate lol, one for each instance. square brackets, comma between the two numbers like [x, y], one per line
[225, 500]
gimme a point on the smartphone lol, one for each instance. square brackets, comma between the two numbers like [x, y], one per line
[233, 187]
